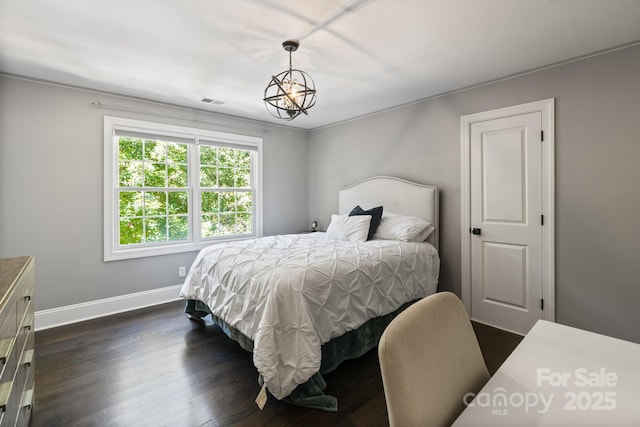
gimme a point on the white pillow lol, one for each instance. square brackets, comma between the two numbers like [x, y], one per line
[349, 228]
[424, 234]
[404, 228]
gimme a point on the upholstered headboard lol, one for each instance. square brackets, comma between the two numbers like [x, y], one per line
[395, 195]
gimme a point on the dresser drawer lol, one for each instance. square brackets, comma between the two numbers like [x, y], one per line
[16, 341]
[9, 320]
[12, 393]
[8, 337]
[26, 406]
[26, 326]
[24, 293]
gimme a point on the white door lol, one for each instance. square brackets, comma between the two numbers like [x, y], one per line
[507, 241]
[506, 221]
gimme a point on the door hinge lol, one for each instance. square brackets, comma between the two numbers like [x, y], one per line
[541, 135]
[541, 219]
[541, 304]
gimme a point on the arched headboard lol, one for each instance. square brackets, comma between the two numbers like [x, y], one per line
[396, 195]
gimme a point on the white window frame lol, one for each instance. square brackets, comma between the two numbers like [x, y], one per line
[112, 250]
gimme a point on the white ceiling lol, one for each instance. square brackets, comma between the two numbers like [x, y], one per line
[364, 55]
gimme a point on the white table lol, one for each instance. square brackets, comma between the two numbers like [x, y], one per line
[561, 376]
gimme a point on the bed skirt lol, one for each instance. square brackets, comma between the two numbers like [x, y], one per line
[350, 345]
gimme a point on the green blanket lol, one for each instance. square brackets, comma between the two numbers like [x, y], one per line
[350, 345]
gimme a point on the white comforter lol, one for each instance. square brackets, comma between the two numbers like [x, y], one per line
[292, 293]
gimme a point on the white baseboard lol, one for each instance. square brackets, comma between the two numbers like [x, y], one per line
[59, 316]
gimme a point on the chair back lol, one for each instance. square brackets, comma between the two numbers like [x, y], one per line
[430, 358]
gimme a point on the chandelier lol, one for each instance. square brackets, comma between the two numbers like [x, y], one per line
[292, 92]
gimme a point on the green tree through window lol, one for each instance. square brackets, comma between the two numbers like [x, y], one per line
[226, 197]
[171, 189]
[153, 197]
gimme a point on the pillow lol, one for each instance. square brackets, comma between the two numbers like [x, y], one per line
[422, 236]
[349, 228]
[404, 228]
[376, 217]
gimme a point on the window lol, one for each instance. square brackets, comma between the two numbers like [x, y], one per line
[172, 189]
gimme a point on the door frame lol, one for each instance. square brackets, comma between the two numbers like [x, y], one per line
[546, 107]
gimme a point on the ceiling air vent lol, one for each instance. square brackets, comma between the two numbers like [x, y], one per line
[212, 101]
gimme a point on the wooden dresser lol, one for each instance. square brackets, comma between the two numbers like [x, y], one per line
[16, 340]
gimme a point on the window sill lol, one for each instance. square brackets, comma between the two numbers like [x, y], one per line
[143, 252]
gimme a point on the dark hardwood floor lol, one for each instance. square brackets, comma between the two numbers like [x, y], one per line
[154, 367]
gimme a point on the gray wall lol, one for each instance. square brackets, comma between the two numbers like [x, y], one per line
[51, 182]
[597, 173]
[51, 174]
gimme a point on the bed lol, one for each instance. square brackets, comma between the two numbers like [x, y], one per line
[303, 303]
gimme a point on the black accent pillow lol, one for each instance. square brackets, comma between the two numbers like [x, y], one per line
[376, 217]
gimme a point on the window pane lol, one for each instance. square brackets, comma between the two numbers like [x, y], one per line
[131, 203]
[243, 202]
[209, 225]
[155, 175]
[227, 224]
[225, 177]
[155, 151]
[156, 229]
[244, 223]
[130, 149]
[243, 158]
[208, 176]
[155, 203]
[226, 157]
[208, 155]
[179, 227]
[209, 202]
[178, 202]
[227, 202]
[177, 153]
[131, 231]
[243, 178]
[177, 175]
[130, 174]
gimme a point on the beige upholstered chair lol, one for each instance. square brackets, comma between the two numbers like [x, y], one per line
[430, 358]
